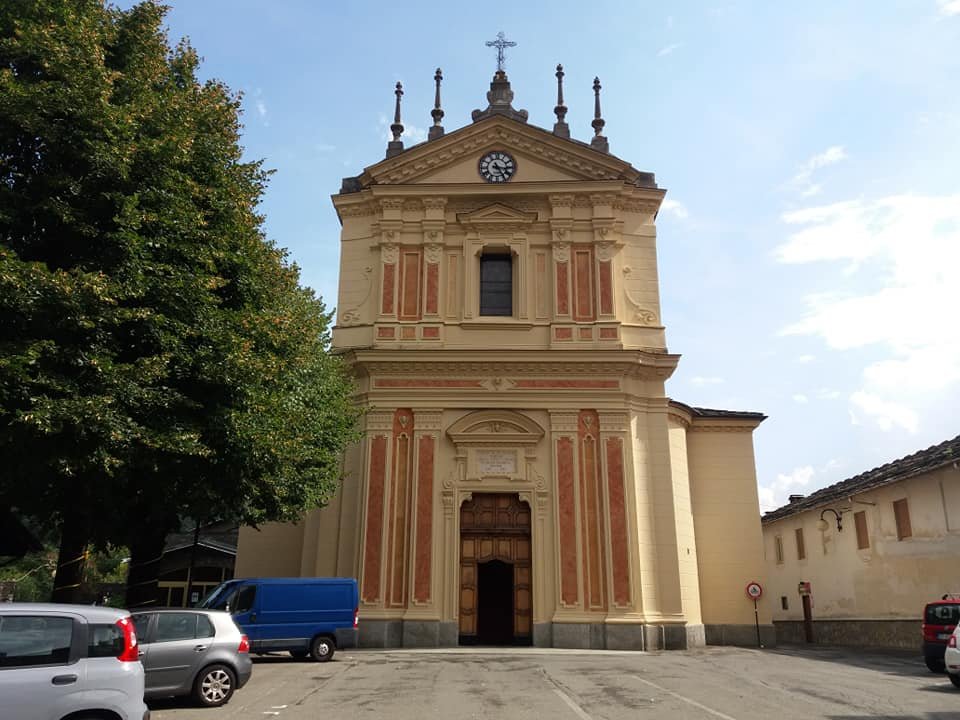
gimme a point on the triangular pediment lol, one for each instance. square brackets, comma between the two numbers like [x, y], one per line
[540, 156]
[496, 214]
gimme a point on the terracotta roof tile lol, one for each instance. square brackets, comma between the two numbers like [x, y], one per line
[918, 463]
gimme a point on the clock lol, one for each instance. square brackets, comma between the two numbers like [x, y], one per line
[497, 166]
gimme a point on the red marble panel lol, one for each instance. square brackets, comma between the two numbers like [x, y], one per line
[374, 539]
[541, 282]
[618, 523]
[389, 286]
[583, 284]
[386, 332]
[431, 333]
[421, 589]
[606, 288]
[563, 333]
[433, 288]
[591, 517]
[563, 289]
[408, 333]
[608, 334]
[569, 384]
[586, 333]
[425, 383]
[566, 522]
[398, 530]
[410, 285]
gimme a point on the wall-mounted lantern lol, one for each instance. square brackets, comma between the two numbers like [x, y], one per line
[823, 525]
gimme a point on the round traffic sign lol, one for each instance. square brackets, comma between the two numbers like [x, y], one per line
[754, 591]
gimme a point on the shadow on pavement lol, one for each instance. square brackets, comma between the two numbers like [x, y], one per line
[906, 663]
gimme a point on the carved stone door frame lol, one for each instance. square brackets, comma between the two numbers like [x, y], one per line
[499, 432]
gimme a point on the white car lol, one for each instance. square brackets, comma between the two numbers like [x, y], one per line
[951, 657]
[69, 660]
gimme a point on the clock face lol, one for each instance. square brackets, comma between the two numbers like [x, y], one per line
[497, 167]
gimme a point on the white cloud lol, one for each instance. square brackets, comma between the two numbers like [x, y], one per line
[774, 494]
[831, 464]
[804, 177]
[806, 359]
[324, 147]
[700, 381]
[827, 394]
[669, 49]
[677, 208]
[888, 415]
[411, 134]
[900, 254]
[949, 7]
[801, 399]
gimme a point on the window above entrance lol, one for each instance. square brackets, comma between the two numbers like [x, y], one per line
[496, 284]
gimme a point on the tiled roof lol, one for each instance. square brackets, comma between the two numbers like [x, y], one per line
[920, 462]
[712, 413]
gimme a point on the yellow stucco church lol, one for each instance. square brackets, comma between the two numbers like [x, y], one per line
[524, 477]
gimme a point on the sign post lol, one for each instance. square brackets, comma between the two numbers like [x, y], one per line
[754, 591]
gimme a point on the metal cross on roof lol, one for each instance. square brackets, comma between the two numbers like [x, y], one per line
[500, 43]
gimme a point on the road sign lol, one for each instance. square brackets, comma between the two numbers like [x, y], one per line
[754, 591]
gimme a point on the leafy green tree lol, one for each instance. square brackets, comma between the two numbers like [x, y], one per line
[158, 357]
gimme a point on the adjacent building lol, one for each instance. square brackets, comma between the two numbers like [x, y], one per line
[524, 476]
[862, 557]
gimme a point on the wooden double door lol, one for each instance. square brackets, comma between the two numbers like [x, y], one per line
[495, 571]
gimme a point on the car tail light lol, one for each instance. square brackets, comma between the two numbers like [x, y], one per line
[356, 617]
[244, 644]
[952, 642]
[131, 653]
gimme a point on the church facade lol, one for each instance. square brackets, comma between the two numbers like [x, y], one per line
[524, 477]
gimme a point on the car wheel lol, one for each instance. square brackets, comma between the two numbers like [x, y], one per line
[299, 654]
[322, 648]
[955, 679]
[934, 665]
[214, 685]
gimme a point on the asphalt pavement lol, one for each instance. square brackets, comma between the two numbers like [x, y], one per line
[714, 683]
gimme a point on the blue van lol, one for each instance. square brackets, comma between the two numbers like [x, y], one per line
[304, 616]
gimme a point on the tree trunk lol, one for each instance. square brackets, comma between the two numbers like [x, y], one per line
[71, 561]
[145, 553]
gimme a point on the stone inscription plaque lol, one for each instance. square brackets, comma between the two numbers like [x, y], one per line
[497, 462]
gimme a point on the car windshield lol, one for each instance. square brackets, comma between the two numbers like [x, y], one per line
[218, 598]
[942, 614]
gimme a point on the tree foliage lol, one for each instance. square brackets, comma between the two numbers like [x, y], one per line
[158, 357]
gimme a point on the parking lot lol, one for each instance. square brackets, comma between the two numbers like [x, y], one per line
[724, 683]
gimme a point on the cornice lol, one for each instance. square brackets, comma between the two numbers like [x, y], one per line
[563, 153]
[427, 363]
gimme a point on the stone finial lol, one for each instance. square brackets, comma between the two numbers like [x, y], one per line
[437, 114]
[599, 142]
[500, 99]
[560, 127]
[395, 146]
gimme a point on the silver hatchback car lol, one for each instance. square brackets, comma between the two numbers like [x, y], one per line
[59, 661]
[192, 652]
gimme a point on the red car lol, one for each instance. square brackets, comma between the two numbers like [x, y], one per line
[939, 619]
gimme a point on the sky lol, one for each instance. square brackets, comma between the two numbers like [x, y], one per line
[809, 244]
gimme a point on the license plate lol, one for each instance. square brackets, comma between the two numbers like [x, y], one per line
[944, 636]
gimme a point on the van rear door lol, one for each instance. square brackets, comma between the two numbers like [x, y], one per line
[245, 608]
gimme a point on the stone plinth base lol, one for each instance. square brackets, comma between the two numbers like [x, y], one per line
[854, 633]
[586, 636]
[740, 635]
